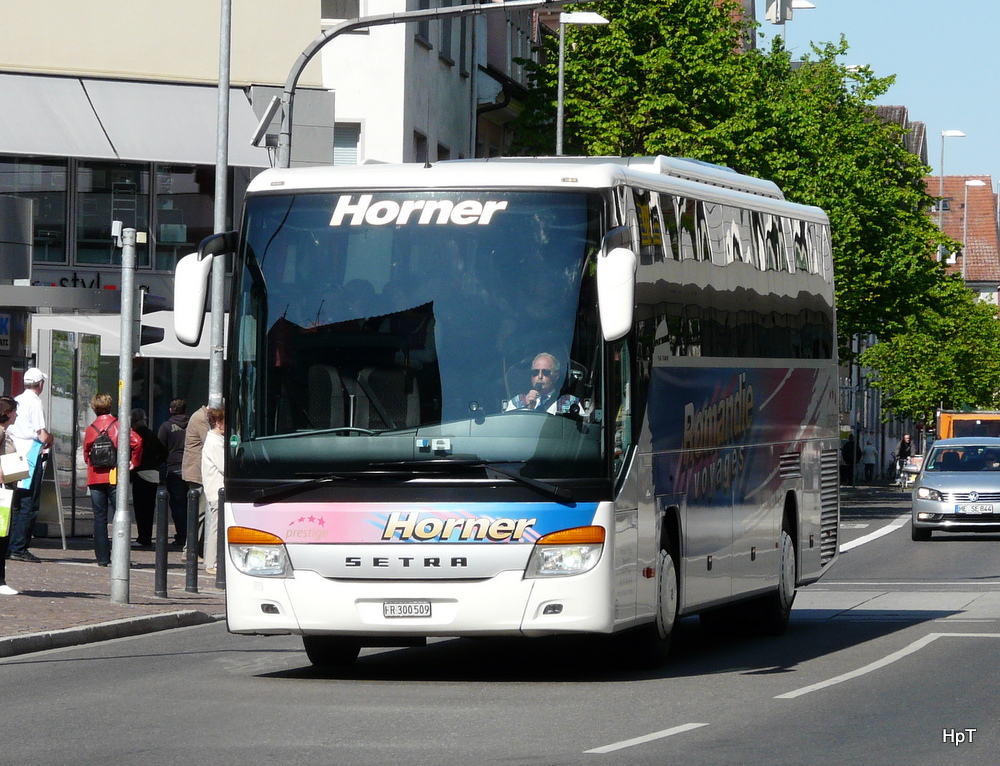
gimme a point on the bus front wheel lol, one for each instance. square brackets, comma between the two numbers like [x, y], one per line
[653, 641]
[331, 651]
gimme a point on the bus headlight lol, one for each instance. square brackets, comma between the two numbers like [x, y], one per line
[568, 552]
[257, 553]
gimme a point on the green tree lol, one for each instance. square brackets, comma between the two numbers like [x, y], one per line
[670, 77]
[948, 356]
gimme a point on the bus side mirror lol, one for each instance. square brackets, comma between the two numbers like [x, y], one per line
[191, 285]
[190, 291]
[616, 291]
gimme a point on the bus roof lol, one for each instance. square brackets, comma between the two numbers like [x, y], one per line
[683, 176]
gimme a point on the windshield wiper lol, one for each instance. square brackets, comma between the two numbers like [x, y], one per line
[443, 465]
[271, 494]
[402, 467]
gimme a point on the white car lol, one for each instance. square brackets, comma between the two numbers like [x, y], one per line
[958, 488]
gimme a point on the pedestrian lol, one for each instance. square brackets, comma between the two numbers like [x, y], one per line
[102, 479]
[213, 456]
[30, 436]
[904, 451]
[849, 452]
[146, 479]
[171, 436]
[8, 414]
[194, 441]
[868, 458]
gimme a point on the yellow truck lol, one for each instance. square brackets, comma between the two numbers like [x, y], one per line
[954, 424]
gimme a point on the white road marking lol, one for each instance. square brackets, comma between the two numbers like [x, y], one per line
[916, 646]
[646, 738]
[888, 529]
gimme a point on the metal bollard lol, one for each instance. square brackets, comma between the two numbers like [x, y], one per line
[222, 549]
[191, 579]
[160, 568]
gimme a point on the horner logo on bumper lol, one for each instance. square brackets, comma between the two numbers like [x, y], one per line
[423, 212]
[406, 526]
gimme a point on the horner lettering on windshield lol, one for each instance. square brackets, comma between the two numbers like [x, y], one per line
[408, 321]
[419, 211]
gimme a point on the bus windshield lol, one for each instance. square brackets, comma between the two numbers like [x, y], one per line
[374, 328]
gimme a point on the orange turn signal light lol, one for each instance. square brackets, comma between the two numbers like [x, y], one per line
[575, 536]
[247, 536]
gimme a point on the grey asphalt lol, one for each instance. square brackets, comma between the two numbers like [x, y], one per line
[65, 600]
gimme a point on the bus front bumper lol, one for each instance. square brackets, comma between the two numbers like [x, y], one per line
[507, 604]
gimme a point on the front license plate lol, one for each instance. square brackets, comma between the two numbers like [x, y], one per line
[406, 608]
[974, 508]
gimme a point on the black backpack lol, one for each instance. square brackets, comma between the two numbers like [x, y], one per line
[103, 453]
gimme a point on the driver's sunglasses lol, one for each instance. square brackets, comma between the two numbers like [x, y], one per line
[543, 372]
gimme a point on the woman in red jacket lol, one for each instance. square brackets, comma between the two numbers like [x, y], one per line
[100, 478]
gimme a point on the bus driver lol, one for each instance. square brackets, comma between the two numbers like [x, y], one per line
[546, 372]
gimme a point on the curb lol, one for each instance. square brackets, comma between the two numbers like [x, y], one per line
[104, 631]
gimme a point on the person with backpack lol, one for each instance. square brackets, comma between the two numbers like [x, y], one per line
[100, 452]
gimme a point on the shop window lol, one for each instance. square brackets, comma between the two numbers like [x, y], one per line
[110, 191]
[43, 181]
[184, 210]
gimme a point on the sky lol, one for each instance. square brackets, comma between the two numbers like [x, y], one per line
[944, 54]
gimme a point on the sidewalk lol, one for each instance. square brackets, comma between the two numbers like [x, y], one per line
[65, 599]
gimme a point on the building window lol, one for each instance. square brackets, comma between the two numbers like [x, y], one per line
[106, 192]
[419, 147]
[44, 181]
[463, 46]
[346, 143]
[942, 204]
[444, 153]
[184, 210]
[444, 48]
[340, 9]
[423, 34]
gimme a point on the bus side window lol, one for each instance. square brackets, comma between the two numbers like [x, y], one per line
[620, 401]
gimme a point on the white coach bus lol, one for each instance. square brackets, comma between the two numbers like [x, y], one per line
[522, 397]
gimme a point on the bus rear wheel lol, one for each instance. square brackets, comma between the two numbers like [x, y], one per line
[777, 606]
[331, 651]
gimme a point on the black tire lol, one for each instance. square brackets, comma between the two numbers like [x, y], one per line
[331, 651]
[777, 606]
[919, 535]
[652, 642]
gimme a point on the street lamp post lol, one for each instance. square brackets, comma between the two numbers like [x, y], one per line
[944, 134]
[579, 18]
[965, 220]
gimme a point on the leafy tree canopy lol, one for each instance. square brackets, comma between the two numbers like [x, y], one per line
[671, 77]
[948, 357]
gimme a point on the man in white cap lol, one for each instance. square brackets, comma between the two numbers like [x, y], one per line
[25, 503]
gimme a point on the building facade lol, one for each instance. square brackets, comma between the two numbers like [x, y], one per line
[111, 115]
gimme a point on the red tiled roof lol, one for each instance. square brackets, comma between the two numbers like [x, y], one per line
[983, 247]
